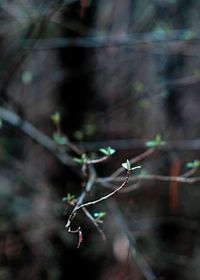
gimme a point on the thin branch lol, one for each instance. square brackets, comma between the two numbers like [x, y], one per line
[81, 205]
[131, 188]
[98, 161]
[128, 189]
[106, 196]
[87, 213]
[150, 177]
[87, 189]
[124, 230]
[189, 172]
[170, 178]
[135, 144]
[36, 135]
[133, 161]
[134, 39]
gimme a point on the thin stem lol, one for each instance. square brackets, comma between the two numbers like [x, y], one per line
[97, 161]
[87, 189]
[81, 205]
[122, 228]
[133, 161]
[190, 172]
[87, 213]
[106, 196]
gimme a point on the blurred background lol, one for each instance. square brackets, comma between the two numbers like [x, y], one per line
[119, 72]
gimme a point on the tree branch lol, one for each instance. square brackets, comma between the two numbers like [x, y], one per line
[36, 135]
[180, 179]
[123, 229]
[80, 205]
[133, 161]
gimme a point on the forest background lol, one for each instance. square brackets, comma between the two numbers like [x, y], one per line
[84, 87]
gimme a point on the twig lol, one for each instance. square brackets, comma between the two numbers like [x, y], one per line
[136, 144]
[131, 188]
[87, 189]
[106, 196]
[81, 205]
[134, 39]
[150, 177]
[87, 213]
[98, 161]
[190, 172]
[133, 161]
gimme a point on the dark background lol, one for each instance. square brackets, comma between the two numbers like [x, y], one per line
[119, 72]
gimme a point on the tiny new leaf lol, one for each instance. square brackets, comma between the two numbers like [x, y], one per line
[108, 151]
[127, 165]
[56, 118]
[82, 160]
[158, 141]
[69, 198]
[99, 215]
[59, 139]
[193, 164]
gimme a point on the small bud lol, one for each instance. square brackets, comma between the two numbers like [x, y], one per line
[56, 118]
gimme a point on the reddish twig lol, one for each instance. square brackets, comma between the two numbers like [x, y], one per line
[80, 205]
[133, 161]
[173, 186]
[106, 196]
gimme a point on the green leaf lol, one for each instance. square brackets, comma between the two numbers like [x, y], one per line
[89, 129]
[138, 87]
[103, 151]
[108, 151]
[79, 135]
[60, 140]
[127, 166]
[27, 77]
[56, 118]
[143, 173]
[78, 160]
[158, 141]
[99, 215]
[82, 160]
[150, 144]
[193, 164]
[189, 35]
[69, 198]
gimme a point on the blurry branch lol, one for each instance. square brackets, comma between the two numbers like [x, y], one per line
[36, 135]
[134, 39]
[46, 142]
[81, 198]
[134, 144]
[190, 172]
[89, 176]
[79, 202]
[180, 82]
[87, 213]
[122, 228]
[180, 179]
[80, 205]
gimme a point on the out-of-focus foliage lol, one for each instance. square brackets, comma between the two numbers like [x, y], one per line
[120, 73]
